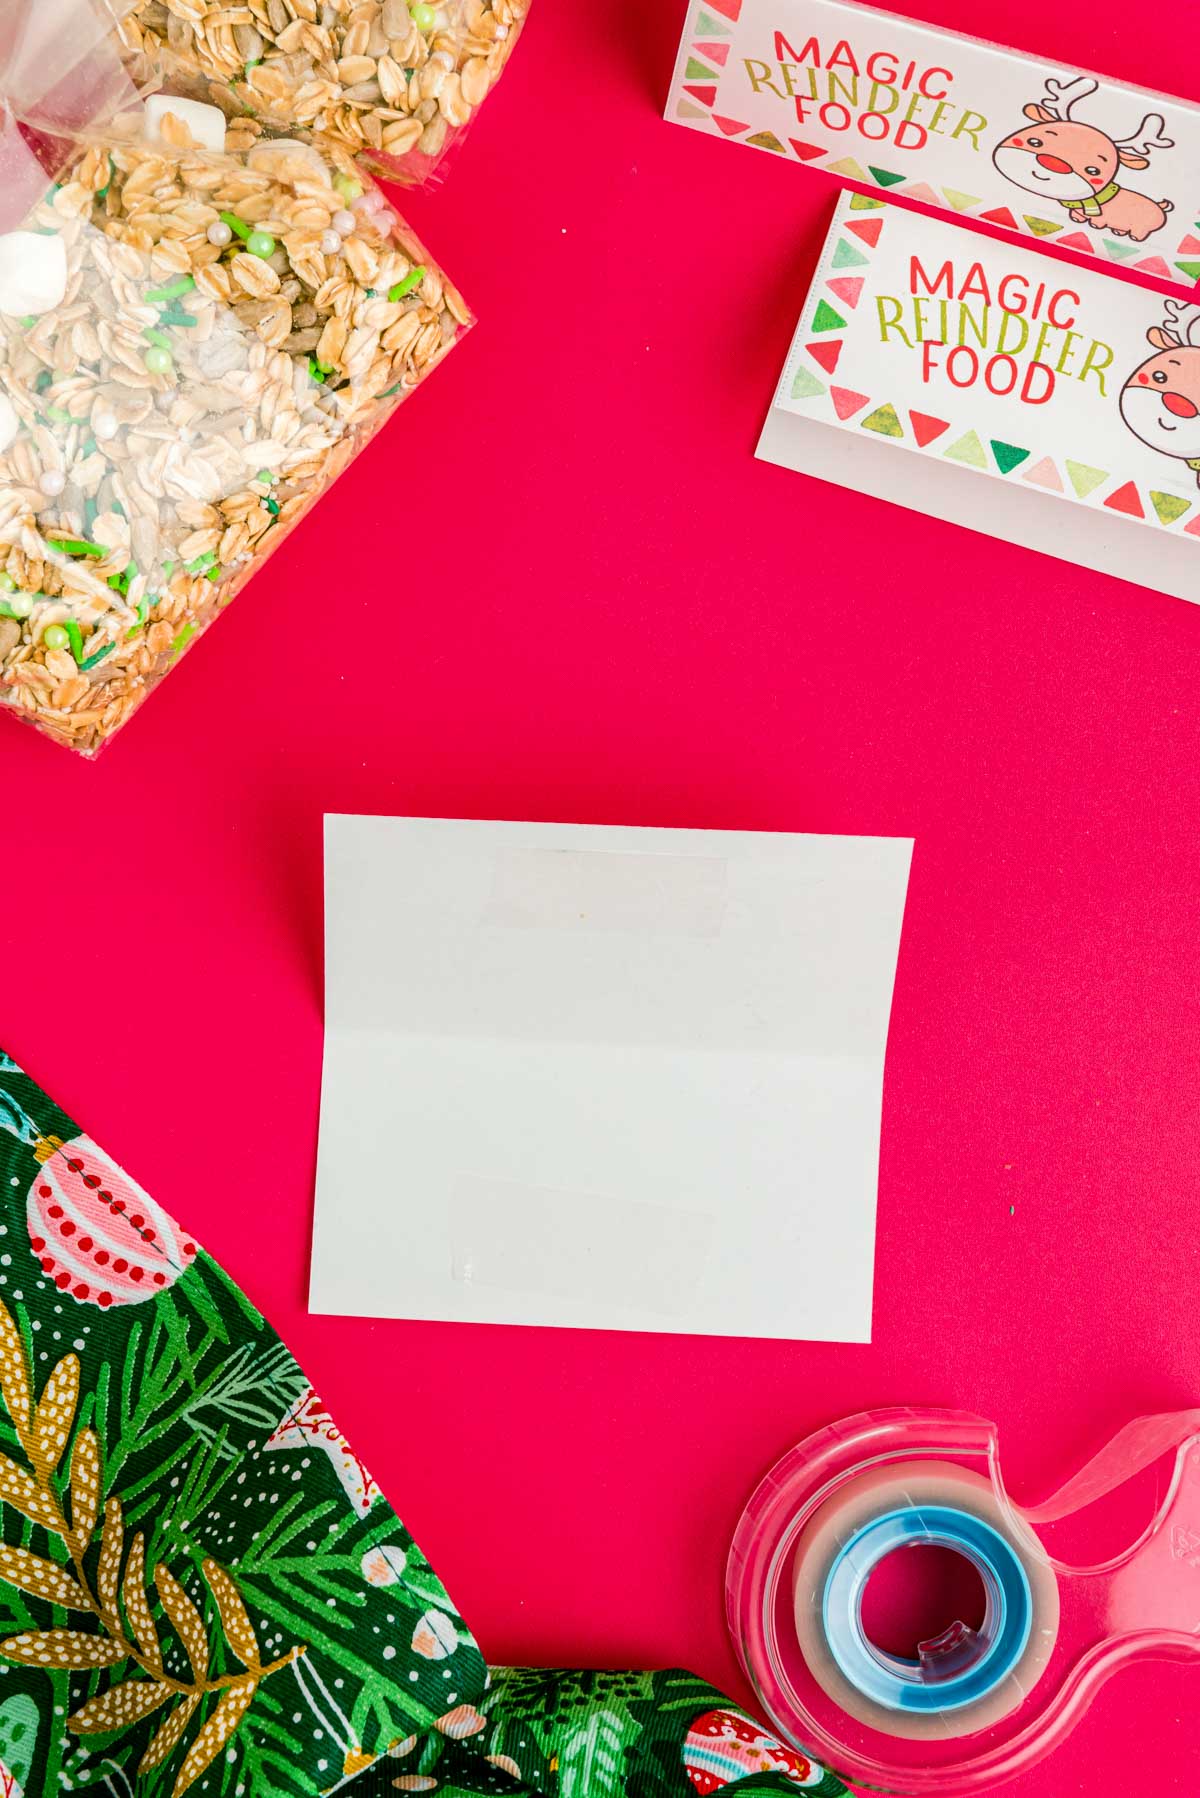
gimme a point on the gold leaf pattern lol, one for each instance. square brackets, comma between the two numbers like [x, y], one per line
[137, 1607]
[85, 1487]
[20, 1490]
[54, 1416]
[14, 1372]
[45, 1579]
[213, 1737]
[239, 1631]
[187, 1620]
[117, 1708]
[168, 1734]
[62, 1648]
[108, 1569]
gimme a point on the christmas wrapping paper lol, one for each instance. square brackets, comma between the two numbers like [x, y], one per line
[201, 1586]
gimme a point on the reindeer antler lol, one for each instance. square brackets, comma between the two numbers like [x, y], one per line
[1061, 96]
[1182, 322]
[1147, 137]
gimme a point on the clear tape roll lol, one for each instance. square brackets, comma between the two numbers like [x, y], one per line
[960, 1686]
[977, 1705]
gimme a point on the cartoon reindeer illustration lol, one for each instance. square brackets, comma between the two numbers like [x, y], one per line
[1076, 165]
[1160, 402]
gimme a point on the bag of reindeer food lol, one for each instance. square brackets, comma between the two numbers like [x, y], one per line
[201, 325]
[394, 82]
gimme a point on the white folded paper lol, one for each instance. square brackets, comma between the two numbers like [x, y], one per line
[614, 1078]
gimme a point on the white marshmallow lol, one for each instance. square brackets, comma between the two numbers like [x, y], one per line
[10, 424]
[290, 160]
[33, 273]
[206, 123]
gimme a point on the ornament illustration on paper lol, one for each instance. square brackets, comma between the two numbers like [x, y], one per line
[1160, 402]
[1064, 159]
[308, 1425]
[96, 1235]
[723, 1747]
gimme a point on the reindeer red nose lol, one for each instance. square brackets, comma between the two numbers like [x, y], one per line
[1055, 164]
[1180, 405]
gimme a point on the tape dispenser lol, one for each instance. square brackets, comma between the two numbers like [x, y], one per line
[977, 1705]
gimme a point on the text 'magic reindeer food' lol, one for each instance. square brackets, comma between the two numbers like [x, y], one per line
[1081, 162]
[976, 380]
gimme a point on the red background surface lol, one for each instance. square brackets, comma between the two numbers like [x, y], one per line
[560, 587]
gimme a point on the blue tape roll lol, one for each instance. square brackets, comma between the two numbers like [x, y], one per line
[969, 1667]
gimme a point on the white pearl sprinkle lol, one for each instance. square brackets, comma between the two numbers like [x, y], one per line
[104, 427]
[331, 243]
[220, 233]
[52, 482]
[344, 222]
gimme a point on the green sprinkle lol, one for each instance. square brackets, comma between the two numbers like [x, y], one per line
[27, 322]
[119, 509]
[261, 244]
[158, 295]
[168, 571]
[158, 361]
[59, 415]
[88, 449]
[75, 639]
[19, 606]
[183, 639]
[252, 64]
[412, 279]
[143, 612]
[175, 316]
[75, 546]
[264, 474]
[98, 657]
[424, 18]
[213, 575]
[202, 564]
[236, 225]
[158, 337]
[389, 391]
[348, 187]
[90, 510]
[44, 380]
[274, 507]
[55, 637]
[7, 582]
[318, 371]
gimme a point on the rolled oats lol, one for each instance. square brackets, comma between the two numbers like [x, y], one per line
[395, 82]
[214, 363]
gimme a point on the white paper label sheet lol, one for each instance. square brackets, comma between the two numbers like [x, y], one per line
[983, 382]
[610, 1078]
[1043, 148]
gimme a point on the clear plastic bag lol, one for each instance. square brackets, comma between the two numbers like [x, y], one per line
[394, 83]
[193, 345]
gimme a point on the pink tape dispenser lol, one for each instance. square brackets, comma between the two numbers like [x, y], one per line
[976, 1705]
